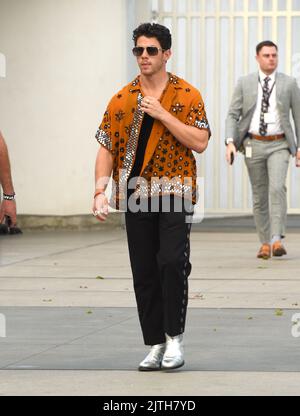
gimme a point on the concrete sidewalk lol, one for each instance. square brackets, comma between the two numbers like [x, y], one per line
[72, 327]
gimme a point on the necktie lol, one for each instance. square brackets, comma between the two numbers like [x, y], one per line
[263, 127]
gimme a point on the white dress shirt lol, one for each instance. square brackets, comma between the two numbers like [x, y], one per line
[273, 128]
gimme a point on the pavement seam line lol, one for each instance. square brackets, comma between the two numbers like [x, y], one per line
[65, 343]
[195, 279]
[58, 253]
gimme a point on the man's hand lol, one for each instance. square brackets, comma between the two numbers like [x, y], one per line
[230, 148]
[298, 159]
[100, 207]
[153, 107]
[8, 208]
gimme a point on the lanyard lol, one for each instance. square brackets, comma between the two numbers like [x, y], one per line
[270, 92]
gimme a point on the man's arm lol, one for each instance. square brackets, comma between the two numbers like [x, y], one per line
[234, 113]
[7, 207]
[231, 124]
[5, 172]
[190, 136]
[295, 104]
[103, 170]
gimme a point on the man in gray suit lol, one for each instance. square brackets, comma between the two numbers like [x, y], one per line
[258, 124]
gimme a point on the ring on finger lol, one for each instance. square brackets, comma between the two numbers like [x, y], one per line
[96, 213]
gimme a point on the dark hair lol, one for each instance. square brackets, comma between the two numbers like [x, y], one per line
[154, 30]
[265, 43]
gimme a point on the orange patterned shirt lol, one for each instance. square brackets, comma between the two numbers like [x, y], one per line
[169, 167]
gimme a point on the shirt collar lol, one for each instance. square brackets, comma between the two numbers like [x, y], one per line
[173, 79]
[262, 76]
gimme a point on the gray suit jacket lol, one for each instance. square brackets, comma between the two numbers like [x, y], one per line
[244, 102]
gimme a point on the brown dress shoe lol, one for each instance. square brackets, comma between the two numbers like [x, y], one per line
[278, 249]
[264, 252]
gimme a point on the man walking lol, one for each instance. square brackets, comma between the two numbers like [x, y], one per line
[147, 136]
[258, 123]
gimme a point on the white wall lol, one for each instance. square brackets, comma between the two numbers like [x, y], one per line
[64, 60]
[2, 65]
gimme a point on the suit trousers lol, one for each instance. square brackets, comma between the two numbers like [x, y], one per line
[159, 250]
[267, 168]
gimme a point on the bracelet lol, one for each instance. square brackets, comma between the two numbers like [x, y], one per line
[8, 197]
[99, 193]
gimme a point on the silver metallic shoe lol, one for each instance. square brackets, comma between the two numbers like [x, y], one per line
[173, 356]
[153, 360]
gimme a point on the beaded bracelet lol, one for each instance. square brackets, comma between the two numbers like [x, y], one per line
[9, 197]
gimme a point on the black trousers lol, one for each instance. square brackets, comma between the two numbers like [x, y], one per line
[159, 249]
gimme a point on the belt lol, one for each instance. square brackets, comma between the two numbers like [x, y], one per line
[266, 138]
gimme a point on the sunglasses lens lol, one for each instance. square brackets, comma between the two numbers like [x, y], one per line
[152, 50]
[138, 51]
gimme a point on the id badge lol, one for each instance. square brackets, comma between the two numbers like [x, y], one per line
[248, 150]
[269, 118]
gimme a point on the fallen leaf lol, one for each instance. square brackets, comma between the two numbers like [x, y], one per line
[196, 296]
[278, 312]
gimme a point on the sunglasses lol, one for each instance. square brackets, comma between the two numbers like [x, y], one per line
[151, 50]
